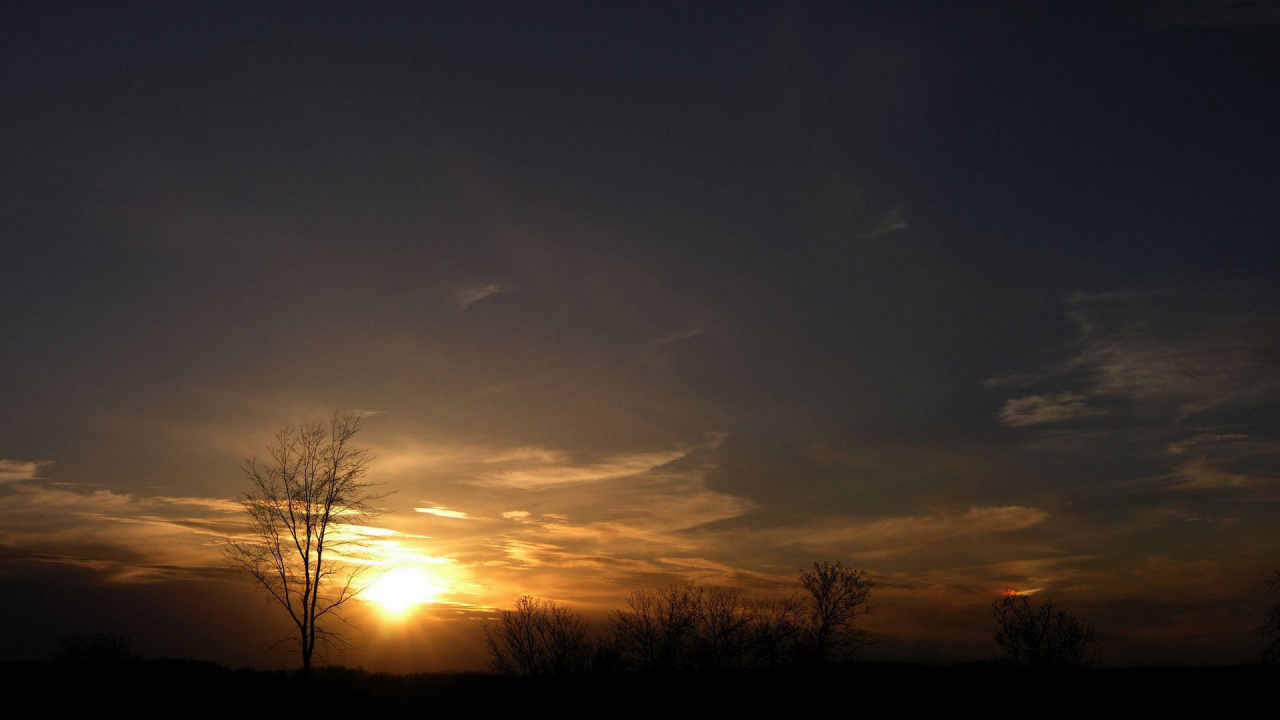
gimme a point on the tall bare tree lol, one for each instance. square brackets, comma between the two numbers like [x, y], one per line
[834, 598]
[1044, 634]
[538, 637]
[302, 547]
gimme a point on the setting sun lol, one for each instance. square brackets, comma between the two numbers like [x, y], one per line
[399, 589]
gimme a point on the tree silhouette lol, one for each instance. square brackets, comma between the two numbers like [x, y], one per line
[834, 598]
[719, 628]
[652, 633]
[538, 637]
[302, 506]
[1270, 630]
[96, 649]
[1044, 635]
[776, 625]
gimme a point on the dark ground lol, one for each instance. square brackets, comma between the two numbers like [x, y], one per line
[186, 688]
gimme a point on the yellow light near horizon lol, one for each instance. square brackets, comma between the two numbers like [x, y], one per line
[398, 590]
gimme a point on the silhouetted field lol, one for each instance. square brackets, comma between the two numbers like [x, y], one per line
[185, 687]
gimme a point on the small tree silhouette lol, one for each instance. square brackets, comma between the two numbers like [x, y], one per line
[1044, 635]
[775, 630]
[720, 630]
[653, 632]
[538, 637]
[96, 649]
[834, 598]
[1270, 630]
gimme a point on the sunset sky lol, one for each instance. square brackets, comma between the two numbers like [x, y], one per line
[974, 296]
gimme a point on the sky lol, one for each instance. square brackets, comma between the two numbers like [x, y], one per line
[973, 296]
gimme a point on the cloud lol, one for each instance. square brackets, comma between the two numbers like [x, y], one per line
[440, 511]
[1192, 353]
[612, 468]
[16, 470]
[894, 221]
[1182, 446]
[1172, 353]
[527, 454]
[468, 296]
[680, 336]
[1045, 409]
[911, 530]
[1149, 362]
[520, 516]
[131, 535]
[1201, 474]
[1001, 381]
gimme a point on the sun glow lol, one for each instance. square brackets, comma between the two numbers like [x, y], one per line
[400, 589]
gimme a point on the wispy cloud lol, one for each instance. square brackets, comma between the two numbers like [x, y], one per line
[1181, 447]
[893, 221]
[891, 535]
[611, 468]
[1201, 474]
[468, 296]
[441, 511]
[1182, 354]
[15, 470]
[680, 336]
[1045, 409]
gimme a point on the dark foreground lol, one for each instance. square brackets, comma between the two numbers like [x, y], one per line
[185, 687]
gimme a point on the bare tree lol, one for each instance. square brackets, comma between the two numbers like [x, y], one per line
[775, 630]
[302, 548]
[1044, 635]
[834, 598]
[720, 628]
[538, 637]
[1270, 630]
[652, 633]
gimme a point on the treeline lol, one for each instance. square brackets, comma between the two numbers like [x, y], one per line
[690, 628]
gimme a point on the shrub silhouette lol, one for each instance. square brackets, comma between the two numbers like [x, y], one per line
[96, 649]
[538, 637]
[1044, 635]
[680, 628]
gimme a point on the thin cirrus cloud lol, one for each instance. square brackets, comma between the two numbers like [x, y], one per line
[612, 468]
[680, 336]
[1180, 354]
[894, 221]
[442, 512]
[891, 535]
[1189, 383]
[1202, 474]
[468, 296]
[1186, 445]
[1046, 409]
